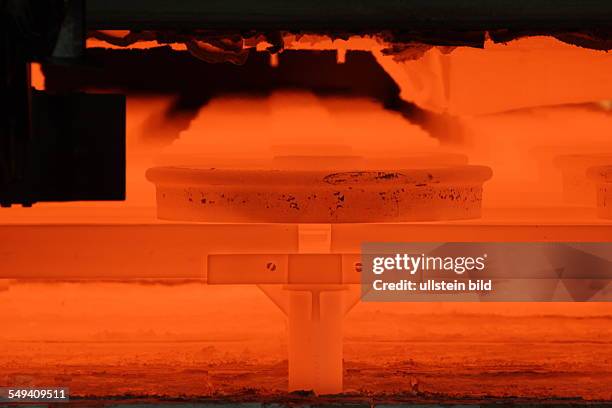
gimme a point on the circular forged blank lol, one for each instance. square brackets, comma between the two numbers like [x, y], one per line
[602, 177]
[301, 196]
[577, 187]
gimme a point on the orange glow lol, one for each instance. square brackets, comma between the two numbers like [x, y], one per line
[37, 77]
[253, 128]
[94, 42]
[147, 324]
[534, 71]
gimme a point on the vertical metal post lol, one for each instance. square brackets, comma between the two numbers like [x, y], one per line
[28, 30]
[315, 340]
[15, 116]
[315, 314]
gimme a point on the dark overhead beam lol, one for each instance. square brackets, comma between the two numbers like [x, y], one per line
[350, 14]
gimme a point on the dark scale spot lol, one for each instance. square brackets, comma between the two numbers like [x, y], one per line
[387, 176]
[355, 177]
[203, 201]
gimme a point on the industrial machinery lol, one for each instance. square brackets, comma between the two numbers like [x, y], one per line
[262, 143]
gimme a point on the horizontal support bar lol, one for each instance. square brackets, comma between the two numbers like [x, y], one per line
[293, 269]
[97, 245]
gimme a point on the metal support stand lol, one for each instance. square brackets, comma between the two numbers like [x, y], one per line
[316, 316]
[315, 289]
[315, 340]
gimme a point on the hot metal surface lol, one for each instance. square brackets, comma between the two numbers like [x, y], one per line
[319, 196]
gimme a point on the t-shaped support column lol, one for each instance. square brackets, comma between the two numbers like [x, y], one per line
[315, 291]
[316, 316]
[315, 340]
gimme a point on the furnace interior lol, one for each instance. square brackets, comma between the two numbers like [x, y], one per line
[520, 108]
